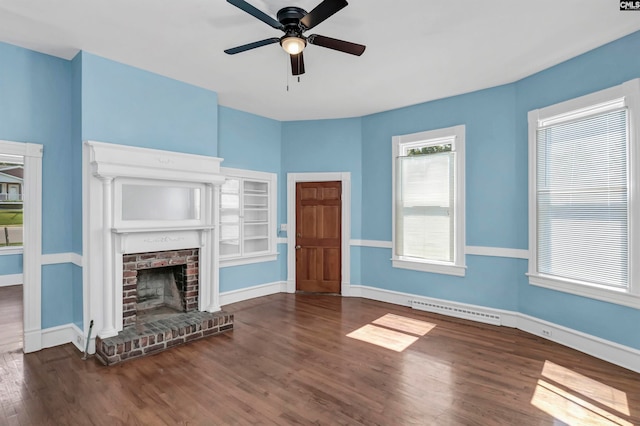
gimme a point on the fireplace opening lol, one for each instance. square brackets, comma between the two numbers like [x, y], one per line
[159, 288]
[158, 285]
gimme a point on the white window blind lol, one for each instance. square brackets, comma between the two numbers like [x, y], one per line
[428, 201]
[582, 198]
[425, 197]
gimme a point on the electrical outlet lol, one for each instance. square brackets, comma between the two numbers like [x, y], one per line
[79, 340]
[546, 332]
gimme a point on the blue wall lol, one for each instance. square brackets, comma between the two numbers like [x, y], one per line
[130, 106]
[11, 264]
[248, 141]
[496, 192]
[35, 106]
[59, 103]
[599, 69]
[325, 146]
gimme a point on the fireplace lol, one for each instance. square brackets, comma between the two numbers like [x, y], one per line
[158, 284]
[147, 209]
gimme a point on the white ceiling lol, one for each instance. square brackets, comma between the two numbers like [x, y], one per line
[417, 50]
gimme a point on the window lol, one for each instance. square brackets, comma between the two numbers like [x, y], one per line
[247, 217]
[582, 166]
[11, 203]
[428, 194]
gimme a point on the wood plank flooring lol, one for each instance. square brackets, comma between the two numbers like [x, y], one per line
[308, 359]
[10, 318]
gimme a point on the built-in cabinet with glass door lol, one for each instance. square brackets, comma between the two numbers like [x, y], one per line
[247, 216]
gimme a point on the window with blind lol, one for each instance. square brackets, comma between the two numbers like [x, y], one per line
[581, 167]
[428, 194]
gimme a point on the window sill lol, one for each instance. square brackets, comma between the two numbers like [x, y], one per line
[437, 268]
[619, 297]
[5, 251]
[246, 260]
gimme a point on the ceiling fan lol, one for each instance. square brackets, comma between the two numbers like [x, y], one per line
[294, 21]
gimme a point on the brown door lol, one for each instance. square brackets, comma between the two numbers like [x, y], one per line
[318, 236]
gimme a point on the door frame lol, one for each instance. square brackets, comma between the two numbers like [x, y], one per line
[31, 241]
[345, 179]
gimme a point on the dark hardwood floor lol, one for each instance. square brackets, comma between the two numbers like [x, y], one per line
[307, 359]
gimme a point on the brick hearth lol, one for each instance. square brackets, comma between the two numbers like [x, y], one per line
[156, 336]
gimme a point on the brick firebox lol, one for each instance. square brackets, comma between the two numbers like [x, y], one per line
[186, 277]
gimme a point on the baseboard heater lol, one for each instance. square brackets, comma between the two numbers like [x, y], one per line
[457, 311]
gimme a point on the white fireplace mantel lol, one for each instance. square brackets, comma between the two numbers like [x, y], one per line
[109, 233]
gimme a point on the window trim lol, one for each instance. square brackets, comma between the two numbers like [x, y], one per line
[458, 267]
[271, 254]
[630, 92]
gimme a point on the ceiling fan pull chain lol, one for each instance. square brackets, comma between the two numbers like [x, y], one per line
[286, 72]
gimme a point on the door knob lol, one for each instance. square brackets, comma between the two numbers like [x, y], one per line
[298, 247]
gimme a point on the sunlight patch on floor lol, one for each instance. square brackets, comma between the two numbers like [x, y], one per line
[579, 400]
[593, 389]
[393, 332]
[404, 324]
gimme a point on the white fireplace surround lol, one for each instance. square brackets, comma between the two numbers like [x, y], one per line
[118, 183]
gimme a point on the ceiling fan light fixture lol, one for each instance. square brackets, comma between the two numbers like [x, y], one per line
[293, 45]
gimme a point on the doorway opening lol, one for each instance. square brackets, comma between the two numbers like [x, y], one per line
[11, 252]
[338, 255]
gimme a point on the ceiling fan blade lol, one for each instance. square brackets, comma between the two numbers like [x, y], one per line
[250, 46]
[256, 13]
[335, 44]
[297, 64]
[322, 12]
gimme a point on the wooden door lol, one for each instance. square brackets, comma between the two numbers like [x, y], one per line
[318, 237]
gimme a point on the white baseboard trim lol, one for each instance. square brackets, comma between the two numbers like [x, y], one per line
[32, 341]
[13, 279]
[56, 258]
[60, 335]
[234, 296]
[606, 350]
[35, 340]
[612, 352]
[381, 295]
[78, 338]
